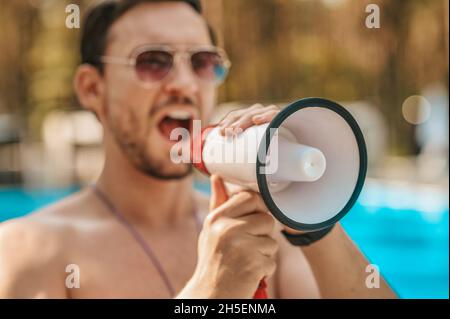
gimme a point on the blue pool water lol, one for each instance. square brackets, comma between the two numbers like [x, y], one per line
[411, 247]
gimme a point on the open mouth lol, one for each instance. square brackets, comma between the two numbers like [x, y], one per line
[175, 119]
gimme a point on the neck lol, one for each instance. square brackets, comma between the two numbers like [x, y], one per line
[144, 199]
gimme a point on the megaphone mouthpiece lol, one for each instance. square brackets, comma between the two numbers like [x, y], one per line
[296, 162]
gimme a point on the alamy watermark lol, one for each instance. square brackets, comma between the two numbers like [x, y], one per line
[373, 18]
[233, 148]
[373, 279]
[73, 277]
[73, 16]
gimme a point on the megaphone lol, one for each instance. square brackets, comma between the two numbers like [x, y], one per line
[309, 163]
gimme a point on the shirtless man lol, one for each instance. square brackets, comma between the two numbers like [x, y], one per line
[239, 242]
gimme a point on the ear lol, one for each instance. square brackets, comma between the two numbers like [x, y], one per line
[89, 86]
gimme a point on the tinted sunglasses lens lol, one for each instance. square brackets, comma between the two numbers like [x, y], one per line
[209, 66]
[153, 65]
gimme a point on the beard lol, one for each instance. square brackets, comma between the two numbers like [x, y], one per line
[139, 149]
[150, 164]
[154, 169]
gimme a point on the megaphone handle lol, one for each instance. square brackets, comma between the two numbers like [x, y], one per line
[261, 292]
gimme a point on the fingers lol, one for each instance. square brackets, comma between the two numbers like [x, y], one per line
[267, 267]
[233, 116]
[265, 117]
[244, 121]
[239, 205]
[259, 224]
[239, 120]
[218, 192]
[267, 246]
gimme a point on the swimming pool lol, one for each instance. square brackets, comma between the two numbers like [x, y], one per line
[404, 232]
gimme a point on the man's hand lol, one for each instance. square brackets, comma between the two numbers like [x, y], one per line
[236, 249]
[242, 119]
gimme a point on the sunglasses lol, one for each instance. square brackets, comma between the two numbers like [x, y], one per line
[153, 64]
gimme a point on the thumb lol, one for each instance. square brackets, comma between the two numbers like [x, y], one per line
[218, 192]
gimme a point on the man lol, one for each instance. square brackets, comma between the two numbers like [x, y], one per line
[148, 67]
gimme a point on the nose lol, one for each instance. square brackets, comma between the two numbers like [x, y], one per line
[182, 80]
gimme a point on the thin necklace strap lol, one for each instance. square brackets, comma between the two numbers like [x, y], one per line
[140, 240]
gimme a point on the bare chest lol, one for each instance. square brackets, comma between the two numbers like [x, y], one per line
[115, 265]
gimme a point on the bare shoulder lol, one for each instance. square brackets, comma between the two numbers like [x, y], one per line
[52, 222]
[33, 249]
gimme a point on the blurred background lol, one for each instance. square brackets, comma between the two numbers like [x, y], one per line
[393, 79]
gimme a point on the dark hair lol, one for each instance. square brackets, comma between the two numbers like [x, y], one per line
[100, 18]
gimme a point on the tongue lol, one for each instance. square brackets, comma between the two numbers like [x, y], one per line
[167, 125]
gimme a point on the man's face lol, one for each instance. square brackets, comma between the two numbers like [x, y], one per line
[139, 117]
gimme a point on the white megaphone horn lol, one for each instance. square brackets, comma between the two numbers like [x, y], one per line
[309, 163]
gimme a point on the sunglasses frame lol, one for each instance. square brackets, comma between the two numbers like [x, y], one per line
[176, 55]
